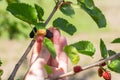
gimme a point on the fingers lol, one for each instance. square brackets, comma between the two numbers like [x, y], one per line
[44, 54]
[59, 43]
[56, 36]
[41, 56]
[39, 51]
[36, 49]
[62, 57]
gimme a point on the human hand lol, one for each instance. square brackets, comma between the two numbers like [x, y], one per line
[41, 56]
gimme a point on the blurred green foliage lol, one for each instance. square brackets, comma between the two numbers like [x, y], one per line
[11, 28]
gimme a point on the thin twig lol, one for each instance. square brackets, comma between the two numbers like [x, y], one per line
[96, 64]
[21, 60]
[11, 77]
[53, 11]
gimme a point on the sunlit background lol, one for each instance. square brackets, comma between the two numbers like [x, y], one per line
[14, 36]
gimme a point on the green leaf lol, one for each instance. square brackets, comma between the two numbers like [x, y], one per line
[48, 69]
[93, 11]
[115, 65]
[85, 47]
[103, 49]
[40, 26]
[117, 40]
[50, 46]
[24, 12]
[111, 53]
[88, 3]
[40, 12]
[72, 53]
[64, 25]
[67, 10]
[1, 72]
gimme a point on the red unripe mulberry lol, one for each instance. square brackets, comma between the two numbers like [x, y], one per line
[77, 69]
[103, 64]
[100, 72]
[106, 75]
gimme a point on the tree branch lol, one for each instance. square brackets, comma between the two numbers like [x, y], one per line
[96, 64]
[11, 77]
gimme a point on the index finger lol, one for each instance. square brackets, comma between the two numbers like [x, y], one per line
[36, 49]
